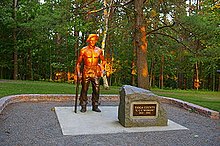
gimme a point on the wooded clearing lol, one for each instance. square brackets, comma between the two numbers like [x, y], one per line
[156, 43]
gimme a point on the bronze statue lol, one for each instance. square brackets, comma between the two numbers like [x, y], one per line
[90, 56]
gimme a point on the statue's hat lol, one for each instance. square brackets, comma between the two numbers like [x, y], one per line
[92, 36]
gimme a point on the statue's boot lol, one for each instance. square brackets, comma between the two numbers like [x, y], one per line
[95, 108]
[83, 109]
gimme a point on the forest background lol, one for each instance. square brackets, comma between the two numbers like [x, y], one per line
[40, 40]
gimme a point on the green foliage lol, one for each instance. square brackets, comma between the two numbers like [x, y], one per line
[49, 35]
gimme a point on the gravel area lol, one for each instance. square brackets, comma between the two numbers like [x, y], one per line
[36, 124]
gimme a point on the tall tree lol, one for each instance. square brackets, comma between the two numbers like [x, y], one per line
[141, 45]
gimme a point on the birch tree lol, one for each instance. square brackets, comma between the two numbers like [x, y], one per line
[106, 18]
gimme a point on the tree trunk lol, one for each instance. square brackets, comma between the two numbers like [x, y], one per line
[213, 79]
[67, 58]
[51, 68]
[15, 56]
[133, 64]
[133, 72]
[218, 82]
[151, 71]
[76, 46]
[141, 46]
[106, 17]
[29, 64]
[76, 49]
[15, 75]
[180, 80]
[161, 72]
[196, 80]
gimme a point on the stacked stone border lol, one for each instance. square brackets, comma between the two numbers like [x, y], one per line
[109, 98]
[191, 107]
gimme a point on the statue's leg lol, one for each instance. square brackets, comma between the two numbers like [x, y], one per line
[83, 94]
[95, 94]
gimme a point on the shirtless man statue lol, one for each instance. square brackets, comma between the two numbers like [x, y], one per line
[90, 56]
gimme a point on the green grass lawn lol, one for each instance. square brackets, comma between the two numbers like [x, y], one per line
[207, 99]
[10, 87]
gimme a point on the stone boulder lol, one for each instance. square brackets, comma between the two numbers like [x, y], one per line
[140, 108]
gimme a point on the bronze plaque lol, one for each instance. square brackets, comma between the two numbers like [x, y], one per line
[144, 109]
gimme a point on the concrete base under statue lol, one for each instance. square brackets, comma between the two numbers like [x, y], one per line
[105, 122]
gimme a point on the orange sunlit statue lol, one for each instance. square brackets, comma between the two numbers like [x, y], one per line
[90, 56]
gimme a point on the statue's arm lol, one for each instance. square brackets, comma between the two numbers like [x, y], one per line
[102, 65]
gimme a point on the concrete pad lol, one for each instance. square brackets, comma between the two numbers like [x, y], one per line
[105, 122]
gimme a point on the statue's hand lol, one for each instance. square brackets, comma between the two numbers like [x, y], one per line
[103, 72]
[100, 70]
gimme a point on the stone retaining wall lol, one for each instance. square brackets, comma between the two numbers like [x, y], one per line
[191, 107]
[46, 97]
[112, 98]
